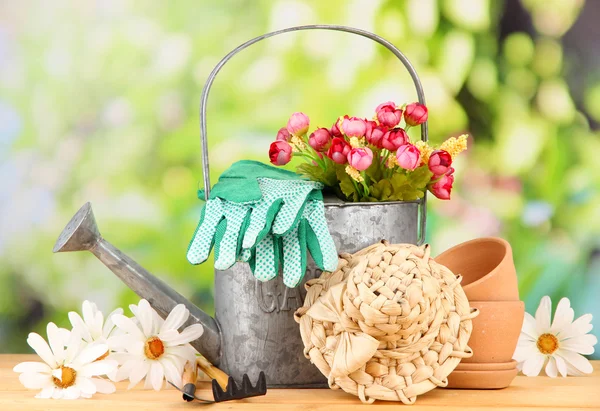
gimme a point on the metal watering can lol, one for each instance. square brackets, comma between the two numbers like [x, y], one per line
[254, 328]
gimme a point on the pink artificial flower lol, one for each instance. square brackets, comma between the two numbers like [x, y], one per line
[388, 114]
[408, 156]
[283, 135]
[443, 187]
[375, 133]
[394, 139]
[339, 150]
[298, 124]
[439, 162]
[335, 130]
[320, 139]
[354, 127]
[360, 158]
[415, 114]
[280, 153]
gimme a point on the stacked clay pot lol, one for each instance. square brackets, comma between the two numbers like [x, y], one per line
[490, 283]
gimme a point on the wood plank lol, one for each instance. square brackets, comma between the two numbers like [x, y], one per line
[525, 393]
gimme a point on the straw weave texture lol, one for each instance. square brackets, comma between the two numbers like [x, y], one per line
[389, 324]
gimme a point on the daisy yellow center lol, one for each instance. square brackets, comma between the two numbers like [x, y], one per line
[154, 348]
[67, 378]
[547, 343]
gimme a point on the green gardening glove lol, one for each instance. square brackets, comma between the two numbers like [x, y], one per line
[290, 249]
[249, 197]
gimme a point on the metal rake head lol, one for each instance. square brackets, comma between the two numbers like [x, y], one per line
[234, 393]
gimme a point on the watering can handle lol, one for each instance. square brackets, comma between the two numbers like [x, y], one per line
[411, 70]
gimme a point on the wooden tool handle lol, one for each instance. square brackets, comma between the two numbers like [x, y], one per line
[188, 380]
[212, 371]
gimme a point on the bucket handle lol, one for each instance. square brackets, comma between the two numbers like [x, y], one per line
[411, 70]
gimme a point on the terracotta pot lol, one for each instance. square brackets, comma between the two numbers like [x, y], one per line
[485, 366]
[495, 331]
[482, 380]
[487, 267]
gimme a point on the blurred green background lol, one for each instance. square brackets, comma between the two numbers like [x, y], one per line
[99, 102]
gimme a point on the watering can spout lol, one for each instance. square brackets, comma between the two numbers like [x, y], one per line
[81, 233]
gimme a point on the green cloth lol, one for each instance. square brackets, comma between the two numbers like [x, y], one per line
[266, 216]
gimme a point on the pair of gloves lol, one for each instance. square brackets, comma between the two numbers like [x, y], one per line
[267, 217]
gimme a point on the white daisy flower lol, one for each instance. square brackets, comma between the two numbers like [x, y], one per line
[92, 327]
[560, 344]
[67, 371]
[154, 347]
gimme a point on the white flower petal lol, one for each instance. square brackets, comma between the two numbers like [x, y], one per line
[168, 335]
[91, 353]
[109, 325]
[34, 380]
[88, 309]
[156, 375]
[185, 352]
[533, 365]
[583, 344]
[79, 326]
[71, 393]
[524, 351]
[551, 370]
[57, 345]
[138, 372]
[577, 361]
[99, 368]
[176, 318]
[96, 329]
[86, 385]
[58, 393]
[580, 326]
[563, 316]
[172, 370]
[561, 365]
[125, 370]
[191, 333]
[144, 316]
[529, 326]
[73, 345]
[46, 393]
[32, 366]
[542, 315]
[41, 348]
[128, 326]
[104, 386]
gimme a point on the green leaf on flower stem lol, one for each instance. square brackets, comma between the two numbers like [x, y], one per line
[316, 173]
[382, 190]
[346, 184]
[420, 177]
[375, 171]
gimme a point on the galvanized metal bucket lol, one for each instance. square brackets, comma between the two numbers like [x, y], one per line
[258, 331]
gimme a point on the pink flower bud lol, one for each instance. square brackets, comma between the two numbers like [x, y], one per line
[339, 150]
[375, 133]
[354, 127]
[388, 114]
[360, 158]
[283, 135]
[393, 139]
[415, 114]
[298, 124]
[320, 139]
[335, 130]
[439, 162]
[408, 156]
[443, 187]
[280, 153]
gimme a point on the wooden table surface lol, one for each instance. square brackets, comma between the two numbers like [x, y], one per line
[541, 393]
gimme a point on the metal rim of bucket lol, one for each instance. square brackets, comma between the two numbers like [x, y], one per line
[407, 64]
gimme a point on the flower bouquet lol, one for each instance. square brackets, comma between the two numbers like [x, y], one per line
[371, 160]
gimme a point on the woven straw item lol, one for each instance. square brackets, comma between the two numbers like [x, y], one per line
[389, 324]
